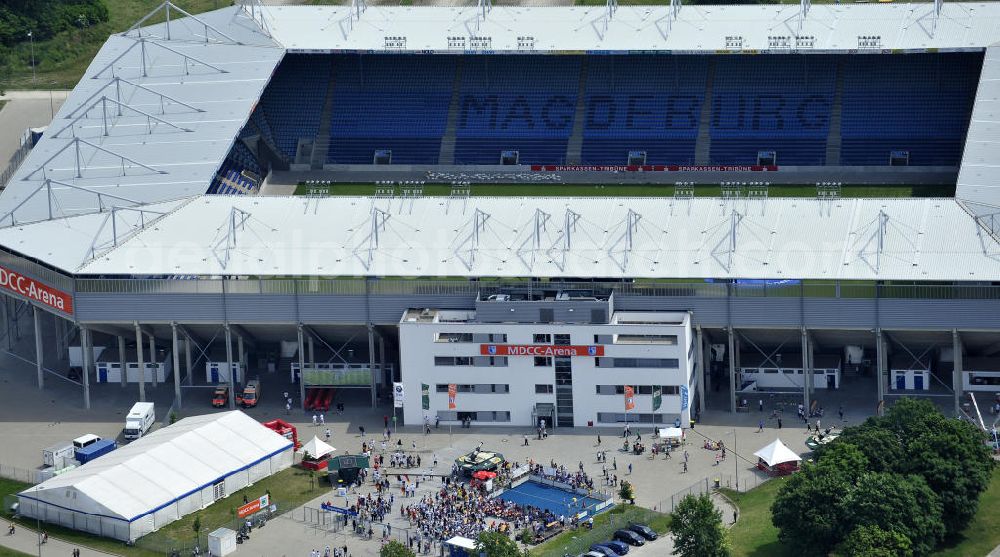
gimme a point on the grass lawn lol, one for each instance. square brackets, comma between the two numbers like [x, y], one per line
[61, 60]
[983, 533]
[4, 552]
[289, 489]
[754, 535]
[625, 190]
[579, 541]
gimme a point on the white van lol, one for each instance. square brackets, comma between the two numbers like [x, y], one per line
[139, 419]
[84, 440]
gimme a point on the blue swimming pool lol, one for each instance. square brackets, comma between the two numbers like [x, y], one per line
[555, 499]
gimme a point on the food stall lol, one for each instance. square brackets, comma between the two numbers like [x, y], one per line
[670, 437]
[314, 454]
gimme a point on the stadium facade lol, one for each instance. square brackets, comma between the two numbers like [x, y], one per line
[107, 226]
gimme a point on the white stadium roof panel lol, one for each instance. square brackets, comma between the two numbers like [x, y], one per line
[921, 239]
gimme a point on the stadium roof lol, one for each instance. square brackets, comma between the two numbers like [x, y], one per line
[173, 109]
[695, 29]
[163, 466]
[979, 176]
[890, 239]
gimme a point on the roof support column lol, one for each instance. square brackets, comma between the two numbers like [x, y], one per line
[806, 371]
[699, 360]
[142, 364]
[958, 372]
[312, 351]
[6, 322]
[152, 360]
[121, 359]
[302, 369]
[229, 367]
[240, 356]
[39, 366]
[176, 360]
[187, 361]
[371, 362]
[87, 347]
[880, 361]
[732, 370]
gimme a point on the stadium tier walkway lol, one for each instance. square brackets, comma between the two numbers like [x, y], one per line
[25, 540]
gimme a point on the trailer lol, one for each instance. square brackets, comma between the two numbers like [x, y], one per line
[95, 450]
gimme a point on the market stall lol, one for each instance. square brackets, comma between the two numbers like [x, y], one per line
[314, 454]
[777, 459]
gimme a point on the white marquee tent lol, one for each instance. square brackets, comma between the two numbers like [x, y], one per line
[777, 453]
[161, 477]
[316, 448]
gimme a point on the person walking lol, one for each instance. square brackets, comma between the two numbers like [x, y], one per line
[760, 404]
[598, 439]
[315, 420]
[327, 433]
[840, 411]
[629, 468]
[685, 463]
[288, 408]
[760, 426]
[525, 440]
[779, 422]
[322, 418]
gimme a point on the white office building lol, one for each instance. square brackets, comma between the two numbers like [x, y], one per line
[565, 358]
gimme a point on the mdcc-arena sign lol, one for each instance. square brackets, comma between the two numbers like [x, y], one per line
[539, 350]
[35, 290]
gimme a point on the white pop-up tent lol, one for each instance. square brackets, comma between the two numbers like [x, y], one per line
[161, 477]
[316, 448]
[777, 458]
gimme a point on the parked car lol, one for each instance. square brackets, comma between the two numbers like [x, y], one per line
[618, 547]
[644, 531]
[221, 396]
[603, 550]
[591, 554]
[629, 537]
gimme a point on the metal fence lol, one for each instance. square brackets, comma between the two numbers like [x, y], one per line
[332, 523]
[18, 474]
[15, 162]
[744, 483]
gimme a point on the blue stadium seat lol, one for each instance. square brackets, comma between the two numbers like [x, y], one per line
[293, 101]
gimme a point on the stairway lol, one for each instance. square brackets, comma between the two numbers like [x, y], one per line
[447, 154]
[574, 147]
[703, 145]
[321, 145]
[833, 139]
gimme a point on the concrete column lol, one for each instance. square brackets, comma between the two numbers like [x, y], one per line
[312, 351]
[187, 361]
[8, 332]
[240, 356]
[229, 367]
[121, 357]
[14, 312]
[176, 361]
[371, 363]
[732, 370]
[806, 371]
[879, 370]
[87, 347]
[381, 357]
[152, 357]
[60, 349]
[302, 369]
[958, 371]
[699, 360]
[39, 364]
[141, 362]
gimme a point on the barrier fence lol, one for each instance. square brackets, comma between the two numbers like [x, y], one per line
[22, 475]
[744, 483]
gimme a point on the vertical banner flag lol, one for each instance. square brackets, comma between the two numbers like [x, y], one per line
[452, 393]
[629, 398]
[684, 398]
[397, 395]
[425, 396]
[657, 397]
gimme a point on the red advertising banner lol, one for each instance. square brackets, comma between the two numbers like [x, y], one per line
[36, 291]
[629, 398]
[539, 350]
[452, 393]
[253, 506]
[653, 168]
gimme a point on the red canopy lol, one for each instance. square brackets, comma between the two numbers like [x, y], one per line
[483, 475]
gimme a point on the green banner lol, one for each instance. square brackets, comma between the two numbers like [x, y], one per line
[425, 396]
[657, 397]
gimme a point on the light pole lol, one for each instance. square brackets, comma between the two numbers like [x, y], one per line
[31, 39]
[736, 461]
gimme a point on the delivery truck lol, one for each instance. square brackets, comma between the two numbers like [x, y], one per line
[139, 419]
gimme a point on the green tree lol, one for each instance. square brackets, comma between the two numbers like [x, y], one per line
[495, 544]
[899, 503]
[626, 492]
[196, 525]
[395, 549]
[697, 528]
[872, 541]
[808, 510]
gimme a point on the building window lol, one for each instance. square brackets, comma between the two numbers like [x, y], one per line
[633, 417]
[454, 337]
[669, 363]
[562, 340]
[544, 389]
[219, 490]
[498, 337]
[452, 361]
[539, 338]
[477, 388]
[543, 361]
[669, 340]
